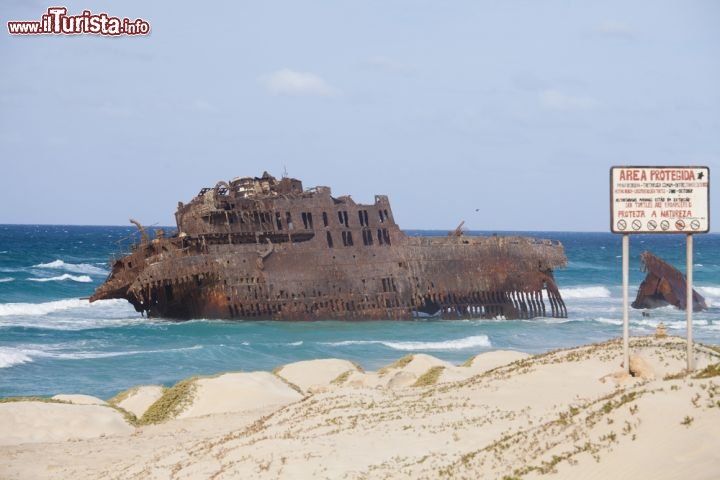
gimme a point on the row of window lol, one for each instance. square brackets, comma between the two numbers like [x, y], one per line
[259, 217]
[383, 237]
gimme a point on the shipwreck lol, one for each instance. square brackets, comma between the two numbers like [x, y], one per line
[664, 285]
[260, 248]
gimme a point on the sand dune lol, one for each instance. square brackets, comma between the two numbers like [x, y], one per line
[567, 414]
[137, 400]
[38, 422]
[312, 375]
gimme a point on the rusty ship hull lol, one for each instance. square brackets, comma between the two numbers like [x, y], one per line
[260, 248]
[664, 285]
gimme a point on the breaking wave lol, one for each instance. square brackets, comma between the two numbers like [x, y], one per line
[10, 356]
[90, 355]
[609, 321]
[711, 294]
[6, 279]
[459, 344]
[71, 314]
[64, 276]
[585, 292]
[72, 267]
[34, 309]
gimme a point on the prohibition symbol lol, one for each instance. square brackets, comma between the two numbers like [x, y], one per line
[680, 225]
[621, 224]
[664, 225]
[652, 225]
[695, 224]
[636, 224]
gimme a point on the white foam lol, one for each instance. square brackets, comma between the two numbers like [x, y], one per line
[6, 279]
[611, 321]
[72, 267]
[675, 325]
[70, 314]
[35, 309]
[64, 276]
[711, 294]
[585, 292]
[459, 344]
[83, 355]
[10, 356]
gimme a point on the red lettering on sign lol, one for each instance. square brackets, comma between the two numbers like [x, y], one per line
[632, 174]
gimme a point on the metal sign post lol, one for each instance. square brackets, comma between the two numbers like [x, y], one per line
[689, 302]
[659, 200]
[626, 300]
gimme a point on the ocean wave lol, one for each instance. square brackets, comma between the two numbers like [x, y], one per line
[6, 279]
[69, 314]
[670, 324]
[585, 292]
[85, 355]
[64, 276]
[587, 266]
[711, 294]
[35, 309]
[10, 356]
[72, 267]
[459, 344]
[610, 321]
[550, 320]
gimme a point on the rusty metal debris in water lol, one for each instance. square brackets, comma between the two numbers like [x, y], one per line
[664, 285]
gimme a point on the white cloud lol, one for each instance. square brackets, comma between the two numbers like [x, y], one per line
[291, 82]
[555, 100]
[614, 29]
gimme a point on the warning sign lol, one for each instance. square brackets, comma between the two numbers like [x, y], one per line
[659, 199]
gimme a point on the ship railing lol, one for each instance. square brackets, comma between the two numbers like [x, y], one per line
[125, 246]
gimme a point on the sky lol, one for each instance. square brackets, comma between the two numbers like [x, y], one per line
[505, 114]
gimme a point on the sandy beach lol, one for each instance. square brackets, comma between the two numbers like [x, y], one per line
[572, 413]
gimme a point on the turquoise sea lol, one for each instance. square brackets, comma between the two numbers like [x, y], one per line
[53, 341]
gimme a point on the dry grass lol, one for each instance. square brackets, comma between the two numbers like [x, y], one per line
[401, 363]
[173, 401]
[342, 378]
[31, 399]
[430, 377]
[122, 396]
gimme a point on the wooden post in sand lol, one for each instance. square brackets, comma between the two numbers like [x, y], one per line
[626, 282]
[689, 302]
